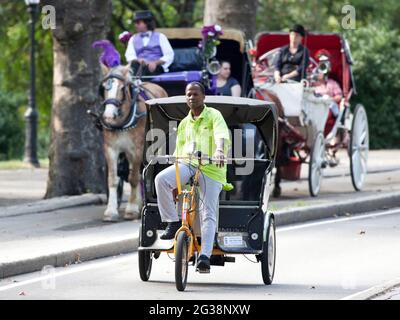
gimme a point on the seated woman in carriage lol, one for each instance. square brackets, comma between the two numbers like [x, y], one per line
[227, 85]
[327, 87]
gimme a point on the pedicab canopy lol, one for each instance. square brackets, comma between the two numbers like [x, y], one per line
[236, 111]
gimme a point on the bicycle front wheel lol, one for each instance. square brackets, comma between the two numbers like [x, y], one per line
[181, 261]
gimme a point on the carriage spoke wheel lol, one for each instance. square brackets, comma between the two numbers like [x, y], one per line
[315, 170]
[181, 261]
[145, 263]
[269, 253]
[359, 147]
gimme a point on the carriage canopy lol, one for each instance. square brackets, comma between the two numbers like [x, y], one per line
[334, 43]
[185, 41]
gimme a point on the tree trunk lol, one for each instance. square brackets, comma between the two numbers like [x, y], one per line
[76, 156]
[239, 14]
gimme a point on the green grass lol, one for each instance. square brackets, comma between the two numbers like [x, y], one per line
[19, 164]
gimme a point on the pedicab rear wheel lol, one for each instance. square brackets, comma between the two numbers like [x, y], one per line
[268, 256]
[181, 261]
[145, 263]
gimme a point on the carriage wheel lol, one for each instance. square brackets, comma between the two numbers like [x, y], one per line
[359, 147]
[181, 261]
[316, 166]
[145, 263]
[269, 253]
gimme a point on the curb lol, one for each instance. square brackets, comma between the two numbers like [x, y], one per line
[374, 291]
[52, 204]
[130, 244]
[343, 208]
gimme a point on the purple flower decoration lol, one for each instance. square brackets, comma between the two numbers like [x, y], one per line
[214, 31]
[125, 36]
[210, 40]
[110, 56]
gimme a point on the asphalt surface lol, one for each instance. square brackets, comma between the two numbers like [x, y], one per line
[326, 259]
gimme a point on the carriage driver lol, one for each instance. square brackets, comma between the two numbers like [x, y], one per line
[293, 59]
[203, 129]
[148, 47]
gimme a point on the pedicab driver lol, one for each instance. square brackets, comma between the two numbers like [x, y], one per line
[204, 128]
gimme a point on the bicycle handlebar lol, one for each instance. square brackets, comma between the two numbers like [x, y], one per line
[173, 158]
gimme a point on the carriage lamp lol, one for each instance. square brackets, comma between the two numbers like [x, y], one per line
[31, 115]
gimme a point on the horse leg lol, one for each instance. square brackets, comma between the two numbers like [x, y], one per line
[134, 205]
[276, 193]
[111, 212]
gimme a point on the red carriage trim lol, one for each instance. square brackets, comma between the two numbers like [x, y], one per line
[332, 42]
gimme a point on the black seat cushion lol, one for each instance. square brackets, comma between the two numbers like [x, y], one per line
[186, 59]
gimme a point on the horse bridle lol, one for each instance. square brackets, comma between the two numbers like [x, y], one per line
[116, 102]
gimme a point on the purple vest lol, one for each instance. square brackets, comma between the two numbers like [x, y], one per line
[151, 52]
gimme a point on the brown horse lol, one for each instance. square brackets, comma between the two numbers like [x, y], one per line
[123, 124]
[268, 95]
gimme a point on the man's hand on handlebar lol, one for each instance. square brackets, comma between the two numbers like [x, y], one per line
[219, 157]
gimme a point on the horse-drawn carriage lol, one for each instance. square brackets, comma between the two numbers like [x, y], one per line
[309, 133]
[244, 225]
[191, 64]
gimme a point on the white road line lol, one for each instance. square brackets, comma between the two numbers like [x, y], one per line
[90, 265]
[340, 219]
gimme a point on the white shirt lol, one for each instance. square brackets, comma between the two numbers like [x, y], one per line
[168, 52]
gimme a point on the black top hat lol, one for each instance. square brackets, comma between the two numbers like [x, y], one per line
[143, 15]
[298, 28]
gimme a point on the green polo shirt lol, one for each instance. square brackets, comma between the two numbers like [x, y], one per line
[203, 131]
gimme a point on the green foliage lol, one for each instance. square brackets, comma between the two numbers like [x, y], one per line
[11, 127]
[376, 54]
[325, 15]
[14, 64]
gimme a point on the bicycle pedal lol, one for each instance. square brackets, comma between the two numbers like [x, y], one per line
[203, 270]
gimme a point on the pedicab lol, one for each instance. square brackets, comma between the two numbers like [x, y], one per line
[244, 223]
[309, 133]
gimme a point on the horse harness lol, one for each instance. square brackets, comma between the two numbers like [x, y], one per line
[134, 114]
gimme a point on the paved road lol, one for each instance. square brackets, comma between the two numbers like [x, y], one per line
[328, 259]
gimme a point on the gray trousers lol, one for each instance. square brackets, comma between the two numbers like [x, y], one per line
[210, 189]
